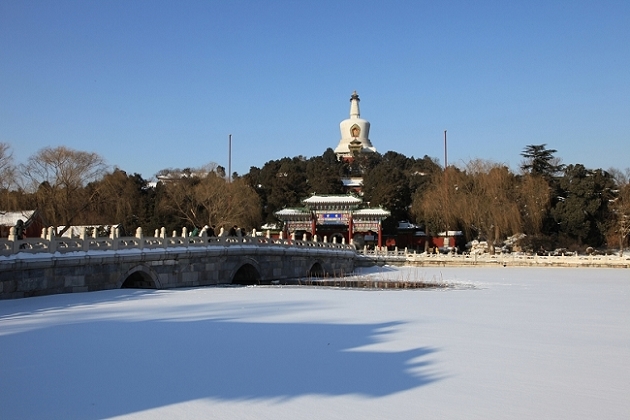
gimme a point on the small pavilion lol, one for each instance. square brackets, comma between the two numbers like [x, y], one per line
[335, 217]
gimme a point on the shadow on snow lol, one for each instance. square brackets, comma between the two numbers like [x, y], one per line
[105, 368]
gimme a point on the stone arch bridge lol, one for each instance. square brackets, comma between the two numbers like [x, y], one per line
[34, 267]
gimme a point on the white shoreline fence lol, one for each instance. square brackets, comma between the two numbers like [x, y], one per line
[48, 243]
[383, 256]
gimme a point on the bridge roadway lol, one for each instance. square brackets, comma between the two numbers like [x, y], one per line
[37, 266]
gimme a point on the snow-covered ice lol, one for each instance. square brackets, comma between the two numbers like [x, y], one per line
[523, 343]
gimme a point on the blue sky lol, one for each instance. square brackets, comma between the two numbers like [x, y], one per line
[161, 84]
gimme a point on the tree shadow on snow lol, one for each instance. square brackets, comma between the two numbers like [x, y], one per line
[106, 368]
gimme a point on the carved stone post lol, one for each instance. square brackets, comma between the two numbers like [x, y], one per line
[185, 236]
[85, 246]
[13, 237]
[52, 244]
[114, 238]
[140, 237]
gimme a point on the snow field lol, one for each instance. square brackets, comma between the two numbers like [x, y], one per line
[521, 343]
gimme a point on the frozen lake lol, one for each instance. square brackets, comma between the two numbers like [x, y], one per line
[518, 343]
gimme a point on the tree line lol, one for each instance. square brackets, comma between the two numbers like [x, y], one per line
[69, 187]
[553, 205]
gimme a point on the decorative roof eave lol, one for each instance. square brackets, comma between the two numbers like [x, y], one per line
[333, 199]
[374, 212]
[349, 182]
[293, 213]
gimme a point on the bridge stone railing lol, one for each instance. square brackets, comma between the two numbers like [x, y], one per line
[48, 243]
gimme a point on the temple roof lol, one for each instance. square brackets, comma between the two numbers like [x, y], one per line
[333, 199]
[379, 212]
[331, 203]
[293, 212]
[355, 181]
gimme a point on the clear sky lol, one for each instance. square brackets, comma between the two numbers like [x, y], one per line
[161, 84]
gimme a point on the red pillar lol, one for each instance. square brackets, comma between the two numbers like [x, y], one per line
[380, 234]
[287, 232]
[313, 228]
[350, 228]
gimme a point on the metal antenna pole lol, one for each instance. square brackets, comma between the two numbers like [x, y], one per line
[445, 160]
[446, 245]
[230, 159]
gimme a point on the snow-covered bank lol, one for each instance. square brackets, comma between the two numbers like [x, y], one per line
[523, 343]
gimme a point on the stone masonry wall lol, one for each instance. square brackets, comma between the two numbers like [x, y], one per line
[44, 274]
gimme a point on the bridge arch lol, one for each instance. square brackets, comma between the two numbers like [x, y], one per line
[316, 270]
[247, 274]
[139, 277]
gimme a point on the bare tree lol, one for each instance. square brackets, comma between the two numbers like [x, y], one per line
[206, 198]
[534, 198]
[7, 176]
[120, 199]
[620, 177]
[228, 204]
[436, 204]
[480, 199]
[489, 206]
[180, 200]
[7, 168]
[621, 208]
[58, 176]
[621, 205]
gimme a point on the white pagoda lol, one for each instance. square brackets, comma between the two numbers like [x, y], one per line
[355, 132]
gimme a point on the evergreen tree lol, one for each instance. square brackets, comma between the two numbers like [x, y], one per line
[420, 173]
[387, 185]
[540, 161]
[582, 212]
[324, 174]
[280, 183]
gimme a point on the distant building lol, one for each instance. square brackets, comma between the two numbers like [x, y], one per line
[341, 217]
[335, 217]
[353, 184]
[33, 222]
